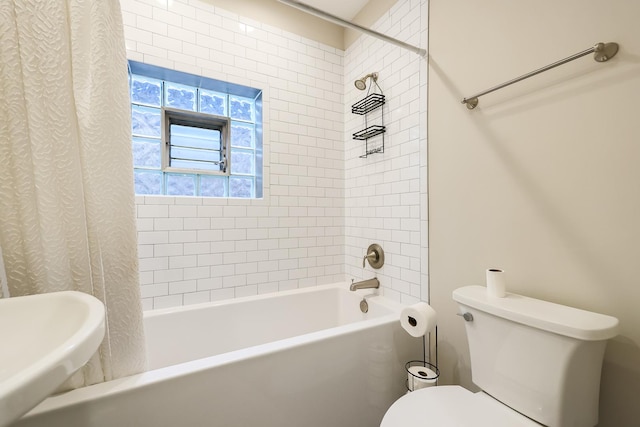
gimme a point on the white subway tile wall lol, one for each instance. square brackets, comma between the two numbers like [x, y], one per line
[196, 250]
[386, 194]
[322, 204]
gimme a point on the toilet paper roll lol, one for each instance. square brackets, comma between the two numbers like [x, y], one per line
[420, 377]
[496, 283]
[418, 319]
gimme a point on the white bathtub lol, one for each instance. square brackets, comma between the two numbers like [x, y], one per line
[307, 358]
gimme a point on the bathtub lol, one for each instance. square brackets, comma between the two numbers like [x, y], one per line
[307, 357]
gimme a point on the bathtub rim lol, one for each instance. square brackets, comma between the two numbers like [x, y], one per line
[370, 294]
[149, 378]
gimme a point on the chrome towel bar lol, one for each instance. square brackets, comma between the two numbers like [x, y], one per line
[603, 52]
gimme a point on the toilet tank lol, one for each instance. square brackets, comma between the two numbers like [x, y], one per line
[539, 358]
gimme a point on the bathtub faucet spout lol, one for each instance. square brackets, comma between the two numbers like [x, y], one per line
[365, 284]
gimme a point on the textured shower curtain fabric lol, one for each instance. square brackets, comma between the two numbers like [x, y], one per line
[67, 212]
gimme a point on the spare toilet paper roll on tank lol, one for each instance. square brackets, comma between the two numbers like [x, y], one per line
[418, 319]
[496, 283]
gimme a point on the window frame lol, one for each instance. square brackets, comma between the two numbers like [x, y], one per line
[154, 176]
[195, 119]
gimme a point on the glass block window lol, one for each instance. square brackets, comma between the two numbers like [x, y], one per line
[193, 136]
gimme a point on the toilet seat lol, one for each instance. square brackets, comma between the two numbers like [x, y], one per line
[452, 406]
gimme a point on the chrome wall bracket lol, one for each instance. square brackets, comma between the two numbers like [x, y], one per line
[605, 51]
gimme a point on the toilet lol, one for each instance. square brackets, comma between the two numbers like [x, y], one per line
[537, 364]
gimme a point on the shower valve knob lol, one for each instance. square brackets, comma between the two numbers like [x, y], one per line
[375, 256]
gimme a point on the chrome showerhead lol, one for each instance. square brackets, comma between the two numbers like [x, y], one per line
[361, 84]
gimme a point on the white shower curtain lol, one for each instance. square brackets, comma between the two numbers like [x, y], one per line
[67, 213]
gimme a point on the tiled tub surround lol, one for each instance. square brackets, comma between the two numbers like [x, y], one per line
[297, 347]
[203, 249]
[386, 194]
[313, 225]
[195, 250]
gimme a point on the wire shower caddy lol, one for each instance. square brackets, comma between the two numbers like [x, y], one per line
[368, 104]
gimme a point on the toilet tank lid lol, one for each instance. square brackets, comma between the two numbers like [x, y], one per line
[556, 318]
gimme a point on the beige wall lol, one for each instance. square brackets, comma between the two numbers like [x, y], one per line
[287, 18]
[543, 178]
[279, 15]
[367, 16]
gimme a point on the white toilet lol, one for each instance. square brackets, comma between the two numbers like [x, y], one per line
[537, 363]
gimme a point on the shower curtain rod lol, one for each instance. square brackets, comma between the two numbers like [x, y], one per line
[339, 21]
[603, 52]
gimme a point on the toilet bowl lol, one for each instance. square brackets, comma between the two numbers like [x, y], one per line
[452, 406]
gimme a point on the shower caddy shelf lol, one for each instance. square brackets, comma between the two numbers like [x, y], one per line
[363, 107]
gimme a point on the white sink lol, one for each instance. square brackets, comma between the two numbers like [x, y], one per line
[44, 339]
